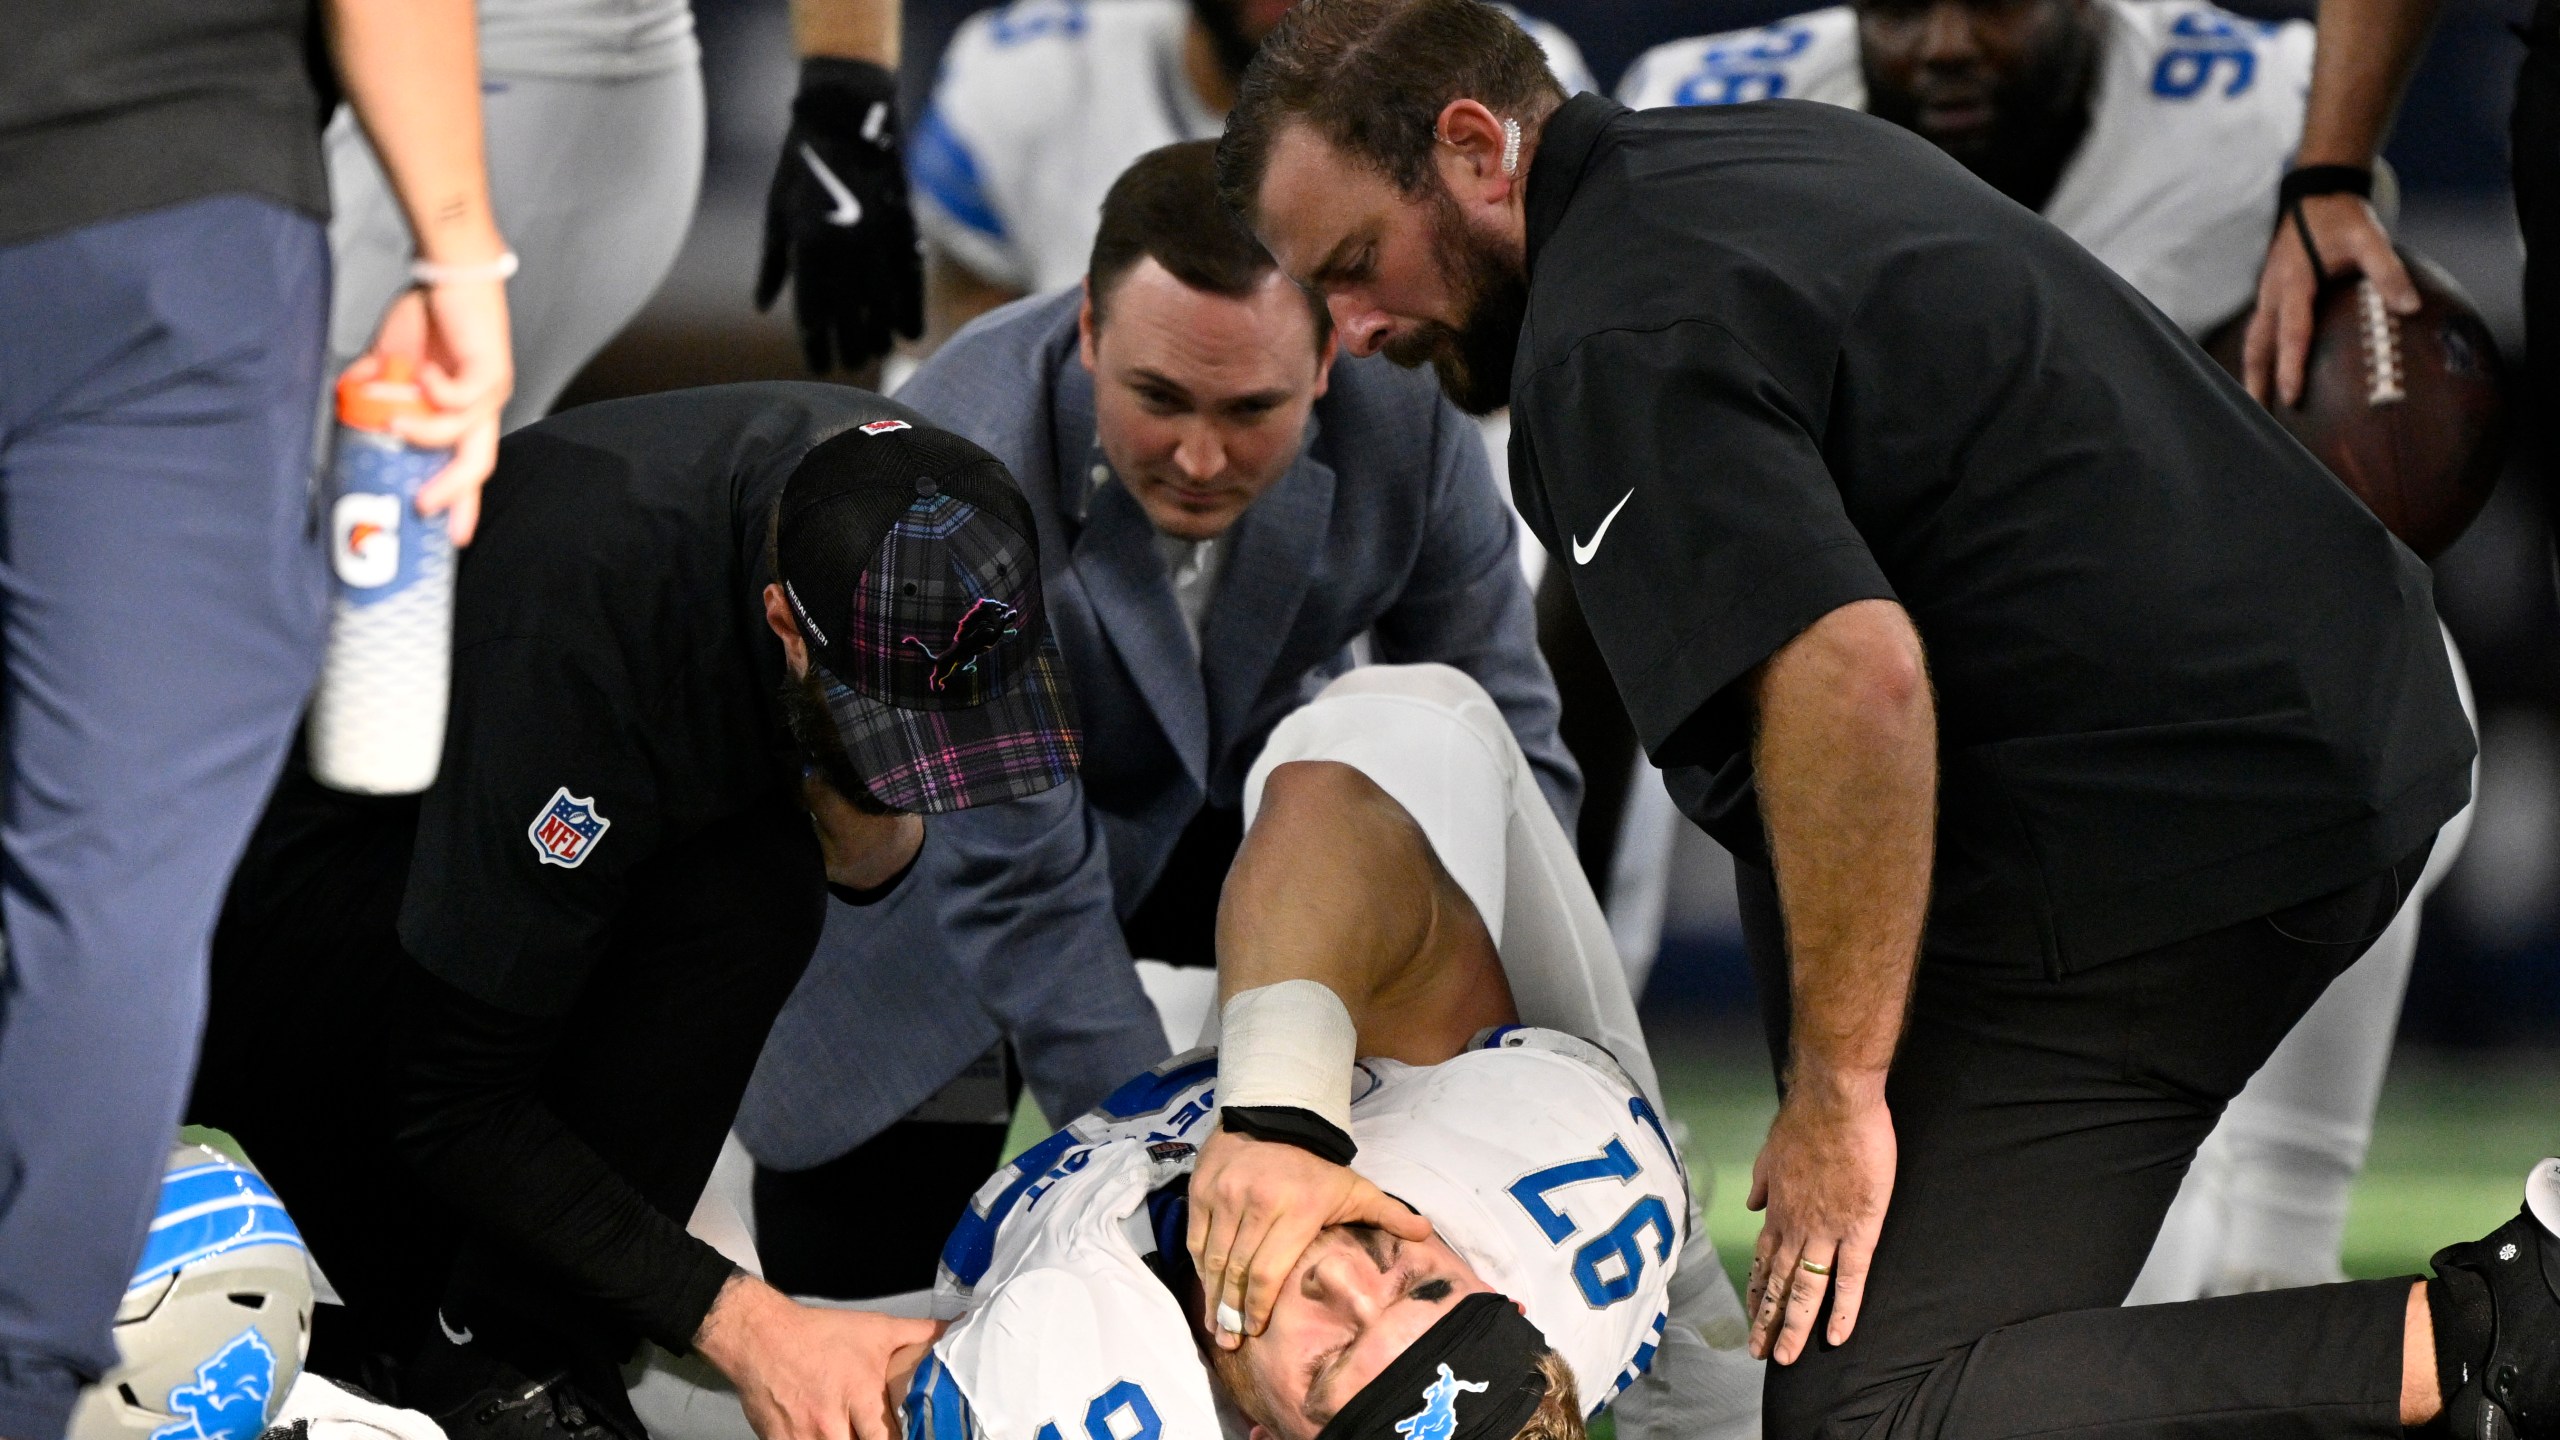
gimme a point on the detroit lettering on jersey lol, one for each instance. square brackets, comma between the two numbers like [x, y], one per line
[1039, 107]
[2196, 115]
[1535, 1157]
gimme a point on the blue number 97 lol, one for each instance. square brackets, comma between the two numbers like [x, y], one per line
[1621, 1242]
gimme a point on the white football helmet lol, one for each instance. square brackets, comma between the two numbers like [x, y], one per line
[215, 1324]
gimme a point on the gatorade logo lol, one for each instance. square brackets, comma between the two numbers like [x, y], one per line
[365, 531]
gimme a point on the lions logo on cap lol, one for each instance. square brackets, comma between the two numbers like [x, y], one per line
[1438, 1417]
[982, 627]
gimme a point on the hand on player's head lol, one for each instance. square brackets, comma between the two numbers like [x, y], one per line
[1355, 1299]
[1257, 1206]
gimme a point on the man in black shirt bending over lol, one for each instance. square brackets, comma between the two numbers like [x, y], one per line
[716, 653]
[1954, 586]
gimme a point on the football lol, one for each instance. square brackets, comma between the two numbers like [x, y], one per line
[2406, 409]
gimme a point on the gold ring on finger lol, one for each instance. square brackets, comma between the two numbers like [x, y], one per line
[1812, 1269]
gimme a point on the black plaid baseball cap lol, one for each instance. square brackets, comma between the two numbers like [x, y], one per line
[913, 569]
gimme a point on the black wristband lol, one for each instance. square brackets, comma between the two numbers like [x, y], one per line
[1289, 1125]
[837, 95]
[2306, 181]
[2309, 180]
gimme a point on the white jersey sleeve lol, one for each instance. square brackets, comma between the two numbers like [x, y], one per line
[1061, 1330]
[1813, 56]
[1539, 1160]
[2196, 116]
[1038, 108]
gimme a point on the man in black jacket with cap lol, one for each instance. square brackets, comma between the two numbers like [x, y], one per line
[716, 653]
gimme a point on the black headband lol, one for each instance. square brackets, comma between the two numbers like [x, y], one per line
[1473, 1376]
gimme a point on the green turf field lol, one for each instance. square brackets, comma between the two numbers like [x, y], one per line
[2456, 1133]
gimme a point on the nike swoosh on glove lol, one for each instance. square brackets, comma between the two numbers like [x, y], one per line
[837, 222]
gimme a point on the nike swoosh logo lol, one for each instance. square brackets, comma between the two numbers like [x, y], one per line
[848, 210]
[458, 1337]
[1582, 553]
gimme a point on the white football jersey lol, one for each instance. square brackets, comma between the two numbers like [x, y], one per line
[1039, 107]
[2196, 116]
[1534, 1155]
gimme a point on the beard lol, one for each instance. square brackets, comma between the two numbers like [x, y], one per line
[2041, 114]
[813, 734]
[1473, 358]
[1224, 21]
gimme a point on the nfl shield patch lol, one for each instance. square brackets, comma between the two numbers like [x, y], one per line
[883, 427]
[567, 830]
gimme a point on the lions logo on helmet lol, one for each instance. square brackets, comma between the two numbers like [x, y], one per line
[213, 1328]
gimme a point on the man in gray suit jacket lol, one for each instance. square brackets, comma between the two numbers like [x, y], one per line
[1227, 517]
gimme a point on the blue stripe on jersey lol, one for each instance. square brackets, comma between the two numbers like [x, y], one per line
[1153, 1091]
[972, 1246]
[940, 165]
[936, 1410]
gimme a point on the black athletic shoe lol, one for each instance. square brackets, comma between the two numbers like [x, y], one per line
[553, 1409]
[2514, 1394]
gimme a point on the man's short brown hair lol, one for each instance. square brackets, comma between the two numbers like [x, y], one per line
[1166, 208]
[1372, 76]
[1558, 1416]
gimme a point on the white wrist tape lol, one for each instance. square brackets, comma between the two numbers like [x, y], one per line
[429, 272]
[1290, 1044]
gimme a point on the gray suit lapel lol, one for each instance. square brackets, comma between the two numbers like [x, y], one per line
[1273, 563]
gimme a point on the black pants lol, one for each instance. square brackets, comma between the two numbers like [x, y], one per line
[2043, 1124]
[806, 1227]
[311, 991]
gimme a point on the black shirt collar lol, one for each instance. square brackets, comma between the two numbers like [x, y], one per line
[1555, 171]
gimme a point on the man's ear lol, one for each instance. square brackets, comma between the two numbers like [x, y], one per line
[777, 614]
[1084, 325]
[1324, 361]
[1470, 153]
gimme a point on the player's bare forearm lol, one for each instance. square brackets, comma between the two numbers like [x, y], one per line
[1845, 760]
[2367, 50]
[1846, 764]
[847, 30]
[411, 69]
[1336, 884]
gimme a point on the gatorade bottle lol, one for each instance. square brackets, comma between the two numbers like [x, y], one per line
[377, 722]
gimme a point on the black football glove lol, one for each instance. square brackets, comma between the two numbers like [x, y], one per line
[837, 221]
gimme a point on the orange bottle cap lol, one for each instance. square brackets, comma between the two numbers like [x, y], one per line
[373, 402]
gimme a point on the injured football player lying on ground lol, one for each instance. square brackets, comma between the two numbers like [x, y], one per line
[1426, 1173]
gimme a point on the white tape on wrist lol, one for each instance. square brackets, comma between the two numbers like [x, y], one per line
[1290, 1044]
[429, 272]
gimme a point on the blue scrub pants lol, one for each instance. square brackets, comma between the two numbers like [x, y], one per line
[161, 615]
